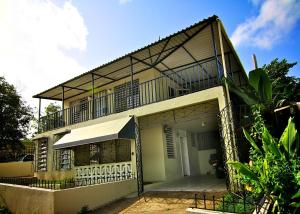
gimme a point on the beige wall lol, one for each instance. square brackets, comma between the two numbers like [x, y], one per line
[16, 169]
[94, 196]
[153, 154]
[203, 158]
[26, 200]
[216, 93]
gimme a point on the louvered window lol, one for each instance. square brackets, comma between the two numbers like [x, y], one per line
[42, 154]
[169, 142]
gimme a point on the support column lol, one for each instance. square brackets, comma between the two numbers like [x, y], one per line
[228, 122]
[139, 164]
[215, 49]
[63, 106]
[93, 96]
[131, 75]
[39, 116]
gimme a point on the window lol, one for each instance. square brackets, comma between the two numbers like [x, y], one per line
[62, 157]
[79, 110]
[208, 140]
[110, 152]
[42, 154]
[100, 104]
[123, 150]
[169, 142]
[123, 97]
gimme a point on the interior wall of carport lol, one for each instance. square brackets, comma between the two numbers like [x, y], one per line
[156, 164]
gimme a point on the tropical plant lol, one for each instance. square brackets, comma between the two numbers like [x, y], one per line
[274, 169]
[258, 95]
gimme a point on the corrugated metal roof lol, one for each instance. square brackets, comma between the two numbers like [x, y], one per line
[120, 67]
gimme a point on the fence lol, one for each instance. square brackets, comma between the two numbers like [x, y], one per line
[34, 182]
[232, 204]
[103, 173]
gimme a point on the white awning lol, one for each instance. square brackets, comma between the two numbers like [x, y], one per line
[123, 128]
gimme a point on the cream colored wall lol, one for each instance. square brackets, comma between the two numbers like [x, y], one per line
[133, 158]
[94, 196]
[52, 173]
[179, 102]
[203, 159]
[16, 169]
[153, 154]
[26, 200]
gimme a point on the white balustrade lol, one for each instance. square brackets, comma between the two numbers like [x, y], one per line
[103, 173]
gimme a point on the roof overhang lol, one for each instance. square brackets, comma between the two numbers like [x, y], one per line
[123, 128]
[190, 45]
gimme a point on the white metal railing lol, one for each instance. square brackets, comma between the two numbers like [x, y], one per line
[103, 173]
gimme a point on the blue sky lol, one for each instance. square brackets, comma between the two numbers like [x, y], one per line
[116, 28]
[44, 43]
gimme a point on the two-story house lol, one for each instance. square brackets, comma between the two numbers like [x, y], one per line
[151, 115]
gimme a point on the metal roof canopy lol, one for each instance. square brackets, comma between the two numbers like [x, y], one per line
[123, 128]
[154, 56]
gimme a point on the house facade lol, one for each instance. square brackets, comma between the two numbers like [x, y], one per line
[151, 115]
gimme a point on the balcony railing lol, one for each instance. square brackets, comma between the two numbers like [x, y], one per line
[171, 84]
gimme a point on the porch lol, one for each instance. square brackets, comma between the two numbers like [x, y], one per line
[197, 183]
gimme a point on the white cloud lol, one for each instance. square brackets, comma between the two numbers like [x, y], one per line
[124, 1]
[37, 38]
[274, 21]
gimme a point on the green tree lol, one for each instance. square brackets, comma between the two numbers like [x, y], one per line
[52, 108]
[15, 116]
[286, 89]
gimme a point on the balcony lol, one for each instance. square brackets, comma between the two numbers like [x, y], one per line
[172, 83]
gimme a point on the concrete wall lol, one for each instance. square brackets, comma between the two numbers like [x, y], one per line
[28, 200]
[16, 169]
[153, 154]
[203, 159]
[95, 196]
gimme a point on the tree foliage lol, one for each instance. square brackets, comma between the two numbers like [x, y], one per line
[15, 116]
[52, 108]
[286, 89]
